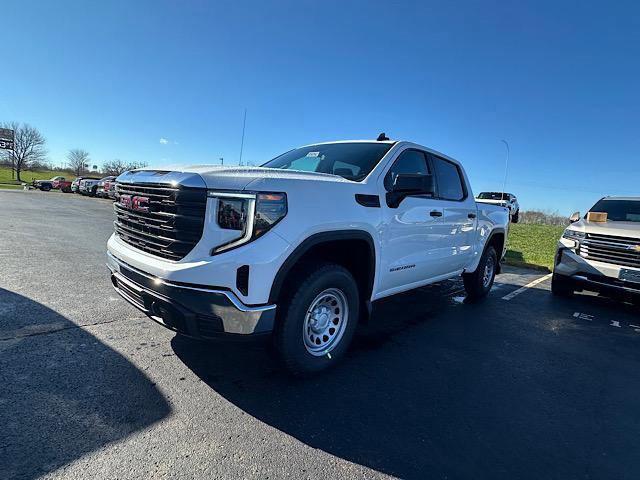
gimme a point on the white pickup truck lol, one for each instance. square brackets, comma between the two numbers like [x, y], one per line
[301, 247]
[508, 200]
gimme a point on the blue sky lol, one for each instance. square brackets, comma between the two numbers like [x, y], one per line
[558, 80]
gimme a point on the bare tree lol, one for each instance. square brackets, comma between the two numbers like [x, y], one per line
[543, 218]
[117, 166]
[28, 147]
[78, 160]
[114, 167]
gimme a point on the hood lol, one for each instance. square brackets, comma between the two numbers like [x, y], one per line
[224, 178]
[492, 202]
[618, 229]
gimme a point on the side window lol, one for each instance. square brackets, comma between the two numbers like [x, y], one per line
[449, 180]
[409, 161]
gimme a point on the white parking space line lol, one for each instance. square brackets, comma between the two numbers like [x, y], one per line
[529, 285]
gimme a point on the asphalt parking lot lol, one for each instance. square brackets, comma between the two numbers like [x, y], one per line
[520, 386]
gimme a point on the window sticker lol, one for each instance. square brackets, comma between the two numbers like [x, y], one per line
[313, 154]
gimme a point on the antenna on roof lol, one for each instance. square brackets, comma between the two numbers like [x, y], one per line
[382, 137]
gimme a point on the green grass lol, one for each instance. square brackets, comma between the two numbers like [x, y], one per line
[28, 175]
[532, 245]
[10, 187]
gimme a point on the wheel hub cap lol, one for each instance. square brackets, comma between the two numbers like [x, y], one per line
[325, 321]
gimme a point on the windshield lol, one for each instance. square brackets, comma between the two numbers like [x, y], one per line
[619, 210]
[493, 196]
[352, 161]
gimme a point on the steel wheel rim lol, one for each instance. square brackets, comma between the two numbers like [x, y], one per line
[325, 322]
[488, 273]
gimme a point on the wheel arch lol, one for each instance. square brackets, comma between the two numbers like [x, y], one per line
[497, 238]
[331, 246]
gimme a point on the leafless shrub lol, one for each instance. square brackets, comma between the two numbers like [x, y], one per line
[117, 166]
[540, 217]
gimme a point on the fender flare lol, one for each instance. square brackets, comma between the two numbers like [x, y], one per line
[316, 239]
[494, 232]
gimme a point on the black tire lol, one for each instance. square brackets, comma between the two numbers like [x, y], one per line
[290, 335]
[475, 284]
[561, 286]
[516, 217]
[45, 188]
[94, 190]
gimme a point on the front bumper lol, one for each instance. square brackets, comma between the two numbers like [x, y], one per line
[192, 310]
[593, 276]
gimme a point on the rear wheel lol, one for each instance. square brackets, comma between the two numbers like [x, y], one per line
[478, 284]
[516, 217]
[318, 320]
[561, 286]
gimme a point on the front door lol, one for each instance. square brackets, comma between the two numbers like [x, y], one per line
[413, 233]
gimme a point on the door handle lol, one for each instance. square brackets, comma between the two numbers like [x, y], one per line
[435, 213]
[472, 215]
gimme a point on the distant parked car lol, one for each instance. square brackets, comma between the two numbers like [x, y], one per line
[110, 188]
[55, 182]
[46, 185]
[88, 186]
[75, 185]
[63, 185]
[104, 185]
[508, 200]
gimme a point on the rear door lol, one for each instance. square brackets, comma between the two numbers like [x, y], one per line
[459, 209]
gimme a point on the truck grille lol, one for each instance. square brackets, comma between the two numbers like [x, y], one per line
[611, 249]
[158, 219]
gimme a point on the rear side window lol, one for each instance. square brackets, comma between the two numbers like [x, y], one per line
[409, 161]
[449, 179]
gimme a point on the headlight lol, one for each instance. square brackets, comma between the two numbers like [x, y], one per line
[573, 234]
[253, 214]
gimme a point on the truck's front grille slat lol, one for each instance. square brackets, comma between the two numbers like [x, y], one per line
[170, 223]
[611, 249]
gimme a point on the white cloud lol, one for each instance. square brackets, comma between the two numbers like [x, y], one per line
[163, 141]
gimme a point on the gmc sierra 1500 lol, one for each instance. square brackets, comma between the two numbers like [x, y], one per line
[302, 246]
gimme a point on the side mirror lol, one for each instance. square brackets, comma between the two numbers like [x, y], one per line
[407, 184]
[575, 217]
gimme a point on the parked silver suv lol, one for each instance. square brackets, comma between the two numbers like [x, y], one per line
[601, 252]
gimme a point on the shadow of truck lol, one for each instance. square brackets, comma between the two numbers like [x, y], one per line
[63, 393]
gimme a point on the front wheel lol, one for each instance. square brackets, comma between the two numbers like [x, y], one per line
[318, 320]
[516, 217]
[478, 284]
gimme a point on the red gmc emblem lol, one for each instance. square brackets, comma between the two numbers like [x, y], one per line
[136, 203]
